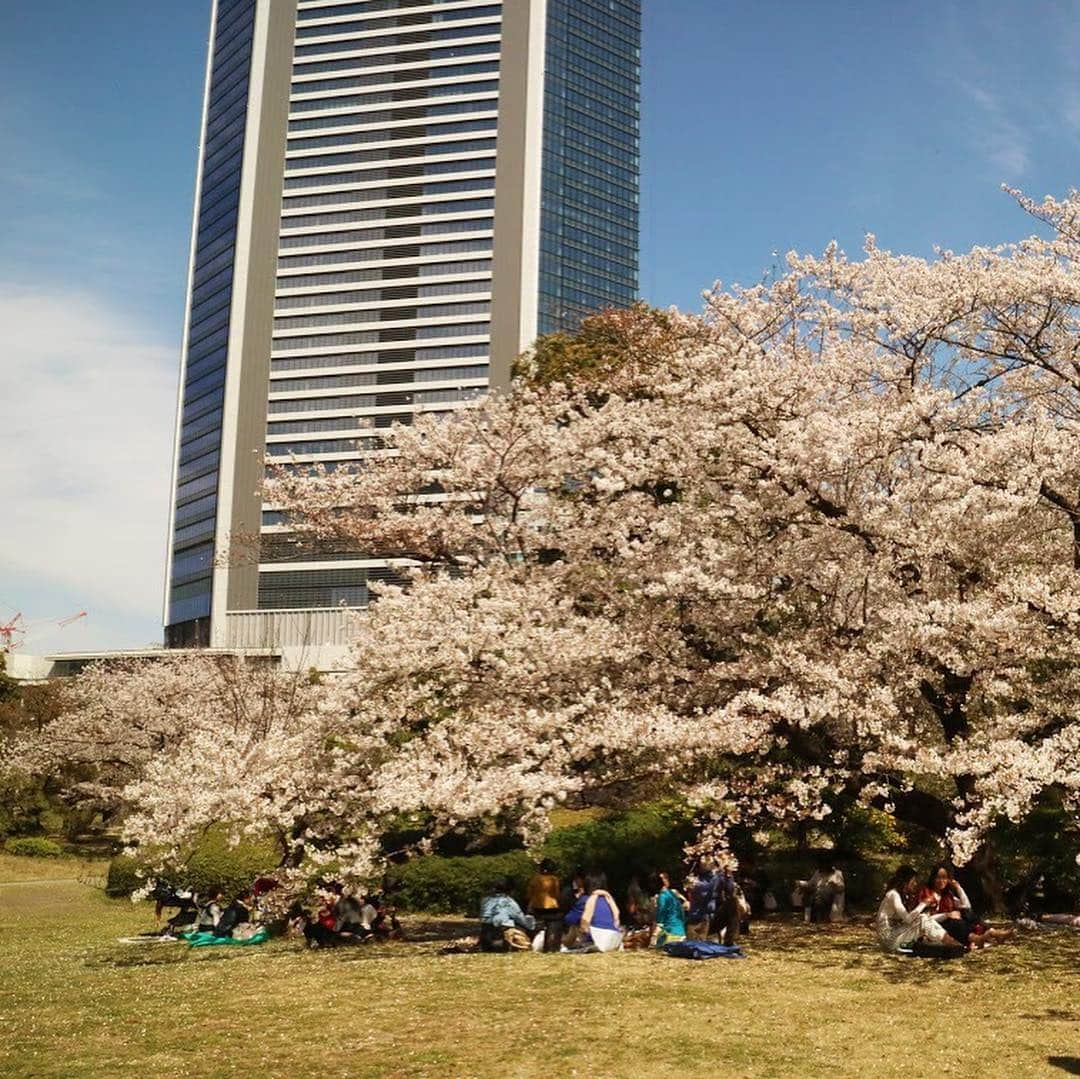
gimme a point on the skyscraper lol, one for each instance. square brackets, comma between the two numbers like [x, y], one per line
[394, 197]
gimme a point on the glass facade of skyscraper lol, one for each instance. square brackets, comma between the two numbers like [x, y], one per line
[203, 387]
[589, 207]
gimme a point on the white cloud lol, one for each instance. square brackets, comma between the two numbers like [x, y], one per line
[1004, 142]
[86, 430]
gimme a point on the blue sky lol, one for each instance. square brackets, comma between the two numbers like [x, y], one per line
[766, 127]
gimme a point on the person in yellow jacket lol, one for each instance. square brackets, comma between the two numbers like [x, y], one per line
[542, 901]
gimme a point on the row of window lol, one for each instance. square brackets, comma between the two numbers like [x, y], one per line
[352, 445]
[407, 96]
[367, 25]
[348, 277]
[484, 102]
[356, 157]
[401, 213]
[385, 356]
[377, 378]
[387, 232]
[380, 194]
[356, 318]
[391, 41]
[401, 76]
[356, 296]
[314, 588]
[322, 11]
[392, 60]
[428, 168]
[377, 254]
[420, 333]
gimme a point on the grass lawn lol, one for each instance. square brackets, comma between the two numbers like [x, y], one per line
[809, 1001]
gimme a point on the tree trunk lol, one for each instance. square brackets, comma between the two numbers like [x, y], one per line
[983, 867]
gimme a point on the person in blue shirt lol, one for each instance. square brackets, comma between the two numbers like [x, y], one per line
[504, 926]
[671, 908]
[702, 902]
[596, 915]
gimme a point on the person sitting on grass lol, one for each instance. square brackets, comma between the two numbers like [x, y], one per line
[320, 929]
[382, 917]
[1071, 920]
[542, 895]
[353, 916]
[899, 926]
[948, 904]
[596, 915]
[727, 908]
[571, 892]
[640, 905]
[233, 916]
[671, 908]
[187, 915]
[209, 913]
[822, 896]
[504, 926]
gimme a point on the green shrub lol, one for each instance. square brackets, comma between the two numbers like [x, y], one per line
[641, 840]
[123, 876]
[33, 847]
[1036, 858]
[446, 885]
[25, 808]
[214, 865]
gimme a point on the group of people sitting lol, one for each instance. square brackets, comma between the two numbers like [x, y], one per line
[213, 916]
[583, 915]
[932, 918]
[347, 917]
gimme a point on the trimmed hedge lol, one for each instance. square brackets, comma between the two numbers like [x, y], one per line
[437, 883]
[33, 847]
[213, 866]
[641, 840]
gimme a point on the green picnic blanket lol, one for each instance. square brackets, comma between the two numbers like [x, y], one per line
[207, 940]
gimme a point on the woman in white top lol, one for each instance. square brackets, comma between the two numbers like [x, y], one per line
[897, 926]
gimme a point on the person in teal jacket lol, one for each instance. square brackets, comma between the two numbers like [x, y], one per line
[671, 908]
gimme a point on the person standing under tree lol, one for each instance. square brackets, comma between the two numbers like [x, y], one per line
[542, 900]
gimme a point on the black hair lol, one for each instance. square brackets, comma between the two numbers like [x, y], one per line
[502, 885]
[595, 882]
[901, 877]
[934, 872]
[547, 865]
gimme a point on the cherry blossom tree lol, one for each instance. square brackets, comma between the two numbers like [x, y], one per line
[174, 745]
[822, 539]
[825, 537]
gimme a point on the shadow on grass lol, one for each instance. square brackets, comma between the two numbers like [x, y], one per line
[1071, 1065]
[425, 936]
[850, 947]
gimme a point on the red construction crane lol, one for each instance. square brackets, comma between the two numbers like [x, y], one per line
[8, 631]
[17, 628]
